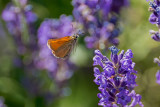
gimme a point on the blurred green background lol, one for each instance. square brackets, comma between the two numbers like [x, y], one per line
[135, 36]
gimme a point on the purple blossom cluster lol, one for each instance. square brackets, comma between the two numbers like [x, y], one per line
[99, 19]
[155, 18]
[54, 28]
[15, 16]
[12, 15]
[156, 60]
[117, 79]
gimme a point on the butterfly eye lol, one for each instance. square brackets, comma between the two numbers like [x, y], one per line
[76, 36]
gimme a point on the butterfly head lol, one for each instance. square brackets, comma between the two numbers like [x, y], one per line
[77, 34]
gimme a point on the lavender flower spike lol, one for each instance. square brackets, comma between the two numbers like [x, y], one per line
[117, 79]
[155, 18]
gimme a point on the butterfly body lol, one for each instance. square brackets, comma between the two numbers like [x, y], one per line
[62, 47]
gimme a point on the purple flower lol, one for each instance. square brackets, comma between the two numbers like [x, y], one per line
[156, 60]
[130, 79]
[23, 35]
[136, 99]
[2, 102]
[54, 28]
[23, 2]
[108, 71]
[155, 35]
[123, 97]
[155, 18]
[118, 4]
[99, 20]
[117, 79]
[13, 17]
[158, 77]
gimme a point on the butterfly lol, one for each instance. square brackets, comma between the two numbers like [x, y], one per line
[62, 47]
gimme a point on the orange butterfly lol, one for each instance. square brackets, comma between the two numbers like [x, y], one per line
[62, 47]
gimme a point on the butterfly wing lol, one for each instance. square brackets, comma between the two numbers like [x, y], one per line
[63, 51]
[54, 44]
[61, 47]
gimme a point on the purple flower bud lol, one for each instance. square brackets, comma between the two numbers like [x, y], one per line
[117, 5]
[123, 97]
[131, 79]
[108, 71]
[90, 41]
[120, 56]
[126, 64]
[153, 19]
[158, 10]
[2, 102]
[136, 99]
[114, 50]
[97, 52]
[114, 56]
[156, 37]
[8, 15]
[97, 74]
[97, 61]
[128, 54]
[158, 77]
[117, 81]
[153, 5]
[156, 60]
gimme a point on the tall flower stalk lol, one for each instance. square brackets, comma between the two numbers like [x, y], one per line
[20, 20]
[155, 19]
[117, 79]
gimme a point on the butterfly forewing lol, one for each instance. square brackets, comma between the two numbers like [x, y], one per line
[54, 44]
[61, 47]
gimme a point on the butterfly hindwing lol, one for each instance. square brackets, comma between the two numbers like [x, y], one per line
[63, 51]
